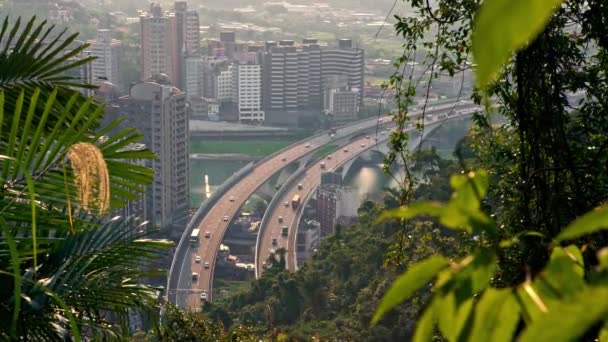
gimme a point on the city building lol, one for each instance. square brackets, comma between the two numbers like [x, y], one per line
[188, 33]
[345, 61]
[194, 75]
[307, 240]
[335, 203]
[291, 77]
[83, 73]
[248, 91]
[204, 108]
[60, 14]
[339, 100]
[108, 52]
[293, 74]
[188, 39]
[159, 44]
[224, 85]
[158, 110]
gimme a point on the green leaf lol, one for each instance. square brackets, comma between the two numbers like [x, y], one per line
[504, 26]
[411, 211]
[454, 311]
[496, 317]
[425, 325]
[462, 212]
[569, 319]
[469, 189]
[591, 222]
[414, 278]
[478, 274]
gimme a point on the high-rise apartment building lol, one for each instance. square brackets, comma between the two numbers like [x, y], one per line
[346, 61]
[339, 100]
[248, 91]
[194, 75]
[188, 39]
[293, 74]
[108, 52]
[188, 33]
[158, 110]
[159, 44]
[224, 85]
[335, 204]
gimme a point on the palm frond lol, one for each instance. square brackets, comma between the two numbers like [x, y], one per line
[29, 59]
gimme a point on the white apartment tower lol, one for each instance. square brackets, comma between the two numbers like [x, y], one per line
[224, 85]
[107, 50]
[158, 110]
[248, 89]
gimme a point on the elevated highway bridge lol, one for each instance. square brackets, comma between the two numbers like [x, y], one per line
[280, 213]
[192, 268]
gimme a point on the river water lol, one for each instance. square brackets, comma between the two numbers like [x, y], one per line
[365, 176]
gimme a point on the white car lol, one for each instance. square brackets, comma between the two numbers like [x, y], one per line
[207, 234]
[367, 137]
[322, 165]
[362, 145]
[197, 259]
[194, 276]
[329, 156]
[280, 219]
[206, 265]
[307, 145]
[225, 218]
[231, 198]
[286, 204]
[204, 295]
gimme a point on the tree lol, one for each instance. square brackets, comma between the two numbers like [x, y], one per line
[66, 268]
[523, 278]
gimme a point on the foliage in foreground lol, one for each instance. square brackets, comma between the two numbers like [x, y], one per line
[67, 270]
[538, 271]
[561, 303]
